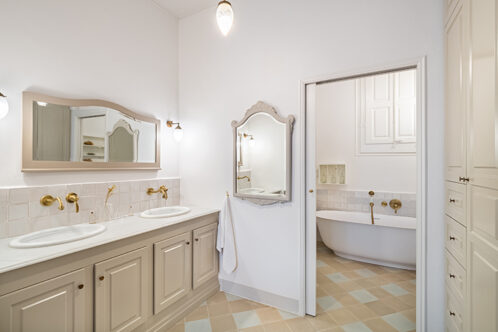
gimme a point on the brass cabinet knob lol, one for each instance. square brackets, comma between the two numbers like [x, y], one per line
[463, 179]
[452, 238]
[311, 190]
[452, 276]
[452, 313]
[101, 278]
[81, 286]
[197, 239]
[188, 243]
[452, 200]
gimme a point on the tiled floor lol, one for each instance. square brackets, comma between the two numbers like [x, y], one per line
[351, 297]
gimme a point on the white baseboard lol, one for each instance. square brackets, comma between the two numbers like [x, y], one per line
[260, 296]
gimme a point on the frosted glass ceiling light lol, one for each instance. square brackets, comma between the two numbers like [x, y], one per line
[4, 106]
[224, 16]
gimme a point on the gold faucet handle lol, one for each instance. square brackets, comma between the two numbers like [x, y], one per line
[163, 190]
[73, 198]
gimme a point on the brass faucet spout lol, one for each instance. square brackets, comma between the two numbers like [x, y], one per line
[162, 189]
[48, 200]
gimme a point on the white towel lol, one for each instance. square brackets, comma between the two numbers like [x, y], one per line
[226, 239]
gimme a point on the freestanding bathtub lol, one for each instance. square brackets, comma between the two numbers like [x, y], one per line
[391, 241]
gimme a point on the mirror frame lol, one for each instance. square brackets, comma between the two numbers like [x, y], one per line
[30, 165]
[262, 107]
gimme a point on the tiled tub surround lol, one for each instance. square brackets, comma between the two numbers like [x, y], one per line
[349, 200]
[21, 211]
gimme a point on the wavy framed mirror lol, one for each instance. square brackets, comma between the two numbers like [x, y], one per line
[262, 150]
[82, 135]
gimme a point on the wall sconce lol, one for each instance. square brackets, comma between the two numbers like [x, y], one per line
[4, 106]
[178, 132]
[252, 141]
[224, 16]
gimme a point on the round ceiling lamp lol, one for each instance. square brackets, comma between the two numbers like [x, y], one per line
[224, 16]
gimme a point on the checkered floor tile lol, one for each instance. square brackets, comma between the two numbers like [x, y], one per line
[351, 297]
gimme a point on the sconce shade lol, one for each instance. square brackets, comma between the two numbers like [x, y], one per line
[178, 133]
[224, 17]
[4, 106]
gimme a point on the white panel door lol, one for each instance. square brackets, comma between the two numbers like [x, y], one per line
[405, 106]
[205, 255]
[121, 292]
[172, 270]
[455, 133]
[483, 286]
[483, 123]
[379, 109]
[311, 199]
[55, 305]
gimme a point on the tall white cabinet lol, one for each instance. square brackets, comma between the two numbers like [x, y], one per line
[471, 166]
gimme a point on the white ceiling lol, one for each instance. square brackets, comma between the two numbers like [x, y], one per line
[184, 8]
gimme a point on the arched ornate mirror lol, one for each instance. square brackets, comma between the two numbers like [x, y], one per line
[122, 143]
[262, 152]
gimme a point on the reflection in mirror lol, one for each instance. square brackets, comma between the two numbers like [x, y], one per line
[262, 154]
[90, 134]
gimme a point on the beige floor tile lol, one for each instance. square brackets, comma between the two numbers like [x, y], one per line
[268, 315]
[410, 314]
[322, 321]
[379, 325]
[396, 303]
[346, 299]
[241, 305]
[362, 312]
[326, 270]
[217, 298]
[380, 308]
[350, 286]
[393, 277]
[332, 288]
[379, 292]
[223, 323]
[217, 309]
[300, 324]
[333, 329]
[258, 328]
[379, 280]
[277, 327]
[352, 275]
[342, 316]
[407, 285]
[409, 299]
[365, 283]
[320, 292]
[199, 313]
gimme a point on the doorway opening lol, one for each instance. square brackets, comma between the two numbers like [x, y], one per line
[364, 203]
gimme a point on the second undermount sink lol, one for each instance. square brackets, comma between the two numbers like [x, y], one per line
[57, 235]
[165, 212]
[252, 191]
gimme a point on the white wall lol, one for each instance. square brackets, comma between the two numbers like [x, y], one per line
[121, 51]
[274, 45]
[336, 144]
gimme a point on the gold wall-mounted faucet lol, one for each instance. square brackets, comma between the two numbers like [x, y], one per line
[73, 199]
[48, 200]
[395, 204]
[162, 189]
[244, 177]
[110, 191]
[371, 194]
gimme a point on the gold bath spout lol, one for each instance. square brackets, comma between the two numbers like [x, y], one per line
[372, 211]
[48, 200]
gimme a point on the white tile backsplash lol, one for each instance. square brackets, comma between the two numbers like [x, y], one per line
[351, 200]
[21, 211]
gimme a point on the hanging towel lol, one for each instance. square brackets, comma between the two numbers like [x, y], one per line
[226, 239]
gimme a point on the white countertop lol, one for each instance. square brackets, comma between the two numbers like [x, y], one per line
[12, 258]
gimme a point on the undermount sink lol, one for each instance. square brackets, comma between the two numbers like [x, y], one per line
[251, 191]
[165, 212]
[57, 235]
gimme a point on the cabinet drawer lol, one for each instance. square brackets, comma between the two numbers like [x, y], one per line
[454, 313]
[456, 277]
[456, 201]
[456, 240]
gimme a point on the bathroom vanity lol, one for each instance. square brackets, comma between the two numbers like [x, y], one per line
[139, 275]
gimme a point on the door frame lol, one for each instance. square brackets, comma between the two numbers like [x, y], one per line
[308, 227]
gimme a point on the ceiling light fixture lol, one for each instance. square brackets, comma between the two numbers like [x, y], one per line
[224, 16]
[4, 106]
[178, 132]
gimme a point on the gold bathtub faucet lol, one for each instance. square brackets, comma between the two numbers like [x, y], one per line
[162, 189]
[371, 193]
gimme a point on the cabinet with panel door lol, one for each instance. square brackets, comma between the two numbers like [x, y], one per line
[471, 165]
[146, 282]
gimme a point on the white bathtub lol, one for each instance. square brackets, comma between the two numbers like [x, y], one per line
[390, 241]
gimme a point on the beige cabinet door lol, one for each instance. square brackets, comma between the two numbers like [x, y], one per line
[55, 305]
[483, 126]
[121, 292]
[172, 270]
[205, 254]
[455, 99]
